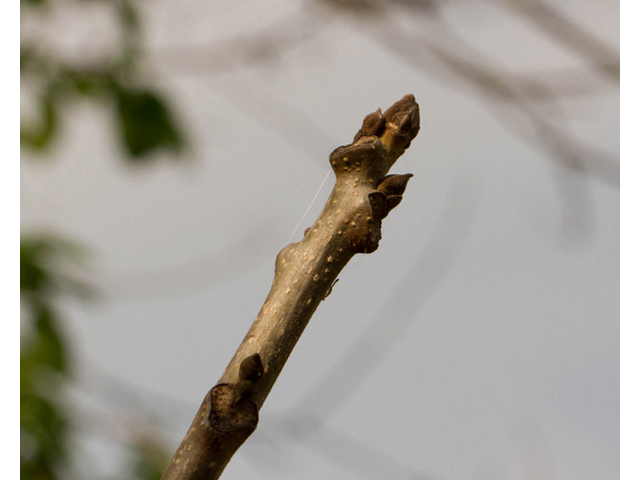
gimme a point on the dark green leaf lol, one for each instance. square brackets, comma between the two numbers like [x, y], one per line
[38, 258]
[49, 347]
[145, 123]
[43, 351]
[33, 275]
[36, 469]
[38, 133]
[42, 428]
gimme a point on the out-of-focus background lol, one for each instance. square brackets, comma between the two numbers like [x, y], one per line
[171, 149]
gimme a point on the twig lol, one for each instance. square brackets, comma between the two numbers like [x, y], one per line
[350, 223]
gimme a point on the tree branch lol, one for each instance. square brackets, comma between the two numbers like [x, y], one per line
[350, 223]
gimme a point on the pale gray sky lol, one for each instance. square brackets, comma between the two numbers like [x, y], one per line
[481, 340]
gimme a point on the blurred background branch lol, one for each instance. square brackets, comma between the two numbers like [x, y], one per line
[100, 52]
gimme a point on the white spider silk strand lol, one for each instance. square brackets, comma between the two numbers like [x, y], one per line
[309, 207]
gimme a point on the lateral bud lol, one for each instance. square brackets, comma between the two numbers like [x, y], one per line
[394, 184]
[231, 407]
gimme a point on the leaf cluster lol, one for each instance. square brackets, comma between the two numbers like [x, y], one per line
[143, 119]
[44, 364]
[46, 421]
